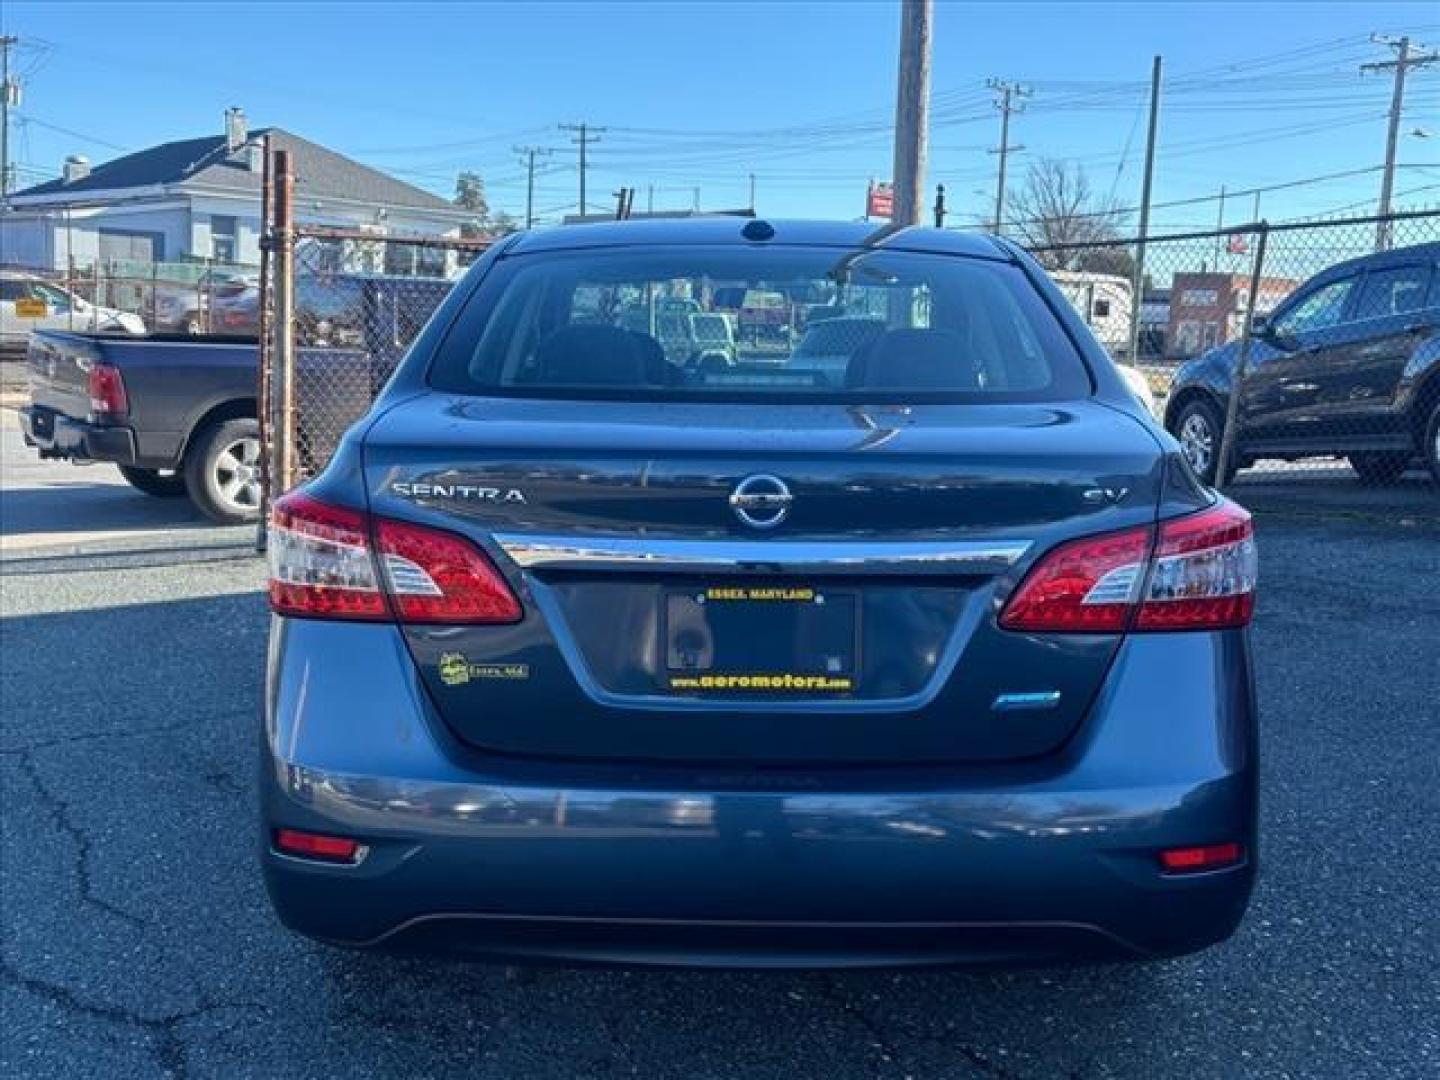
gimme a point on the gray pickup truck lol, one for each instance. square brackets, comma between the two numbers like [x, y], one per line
[177, 413]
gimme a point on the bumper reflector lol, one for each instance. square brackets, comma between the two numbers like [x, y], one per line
[306, 845]
[1191, 859]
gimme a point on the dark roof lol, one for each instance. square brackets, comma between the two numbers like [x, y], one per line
[728, 230]
[319, 172]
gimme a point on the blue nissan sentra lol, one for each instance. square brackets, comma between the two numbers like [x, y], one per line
[595, 643]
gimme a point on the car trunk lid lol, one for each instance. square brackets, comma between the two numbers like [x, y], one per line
[858, 628]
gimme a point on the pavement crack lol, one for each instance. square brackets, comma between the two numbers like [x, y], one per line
[878, 1036]
[190, 722]
[60, 811]
[168, 1044]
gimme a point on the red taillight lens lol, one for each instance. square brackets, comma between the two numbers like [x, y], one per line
[107, 392]
[1204, 573]
[1200, 576]
[1083, 587]
[317, 846]
[438, 577]
[323, 565]
[1208, 857]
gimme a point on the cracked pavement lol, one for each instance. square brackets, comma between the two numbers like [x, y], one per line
[137, 940]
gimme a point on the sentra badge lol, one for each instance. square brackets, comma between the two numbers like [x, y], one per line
[471, 492]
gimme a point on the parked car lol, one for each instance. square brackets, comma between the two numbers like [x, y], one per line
[185, 308]
[1348, 365]
[29, 303]
[177, 414]
[579, 654]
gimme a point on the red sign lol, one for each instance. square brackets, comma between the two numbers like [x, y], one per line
[880, 200]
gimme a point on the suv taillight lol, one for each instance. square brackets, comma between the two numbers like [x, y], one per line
[1197, 574]
[107, 392]
[328, 562]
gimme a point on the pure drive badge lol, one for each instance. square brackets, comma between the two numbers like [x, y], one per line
[472, 492]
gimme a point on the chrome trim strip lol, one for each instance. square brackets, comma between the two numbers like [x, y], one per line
[547, 552]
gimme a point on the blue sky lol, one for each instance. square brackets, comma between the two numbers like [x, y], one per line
[703, 94]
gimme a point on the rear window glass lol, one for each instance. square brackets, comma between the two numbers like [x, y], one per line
[803, 323]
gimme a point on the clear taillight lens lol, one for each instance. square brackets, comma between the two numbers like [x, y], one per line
[320, 562]
[323, 565]
[1200, 576]
[1204, 573]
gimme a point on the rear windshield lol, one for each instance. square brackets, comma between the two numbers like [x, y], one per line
[804, 323]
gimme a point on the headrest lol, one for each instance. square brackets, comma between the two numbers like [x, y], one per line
[913, 360]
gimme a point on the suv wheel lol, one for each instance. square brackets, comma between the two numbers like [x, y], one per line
[162, 483]
[1378, 470]
[1198, 429]
[222, 471]
[1430, 450]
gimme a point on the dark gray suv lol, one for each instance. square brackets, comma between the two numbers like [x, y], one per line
[583, 654]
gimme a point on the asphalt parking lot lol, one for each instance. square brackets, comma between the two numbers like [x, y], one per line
[137, 940]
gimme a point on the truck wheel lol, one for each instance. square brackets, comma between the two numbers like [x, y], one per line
[1198, 429]
[1378, 470]
[222, 471]
[162, 483]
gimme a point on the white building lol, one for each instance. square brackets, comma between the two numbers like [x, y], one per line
[199, 199]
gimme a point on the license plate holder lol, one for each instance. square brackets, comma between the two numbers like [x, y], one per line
[760, 640]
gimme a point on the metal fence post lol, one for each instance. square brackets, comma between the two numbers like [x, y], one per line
[1233, 415]
[266, 344]
[282, 390]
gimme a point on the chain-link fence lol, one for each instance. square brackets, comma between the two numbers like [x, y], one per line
[1331, 332]
[133, 296]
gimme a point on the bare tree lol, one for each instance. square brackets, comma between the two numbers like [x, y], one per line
[1057, 214]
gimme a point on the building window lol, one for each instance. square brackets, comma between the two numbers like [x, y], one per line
[222, 238]
[1102, 309]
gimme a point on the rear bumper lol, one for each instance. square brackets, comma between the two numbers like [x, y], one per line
[1031, 862]
[56, 435]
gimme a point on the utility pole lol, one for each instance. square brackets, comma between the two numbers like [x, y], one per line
[912, 110]
[584, 137]
[1404, 60]
[752, 193]
[1009, 97]
[1137, 291]
[6, 92]
[530, 153]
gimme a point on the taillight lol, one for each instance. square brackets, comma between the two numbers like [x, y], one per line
[107, 392]
[1203, 573]
[325, 563]
[1199, 574]
[1085, 586]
